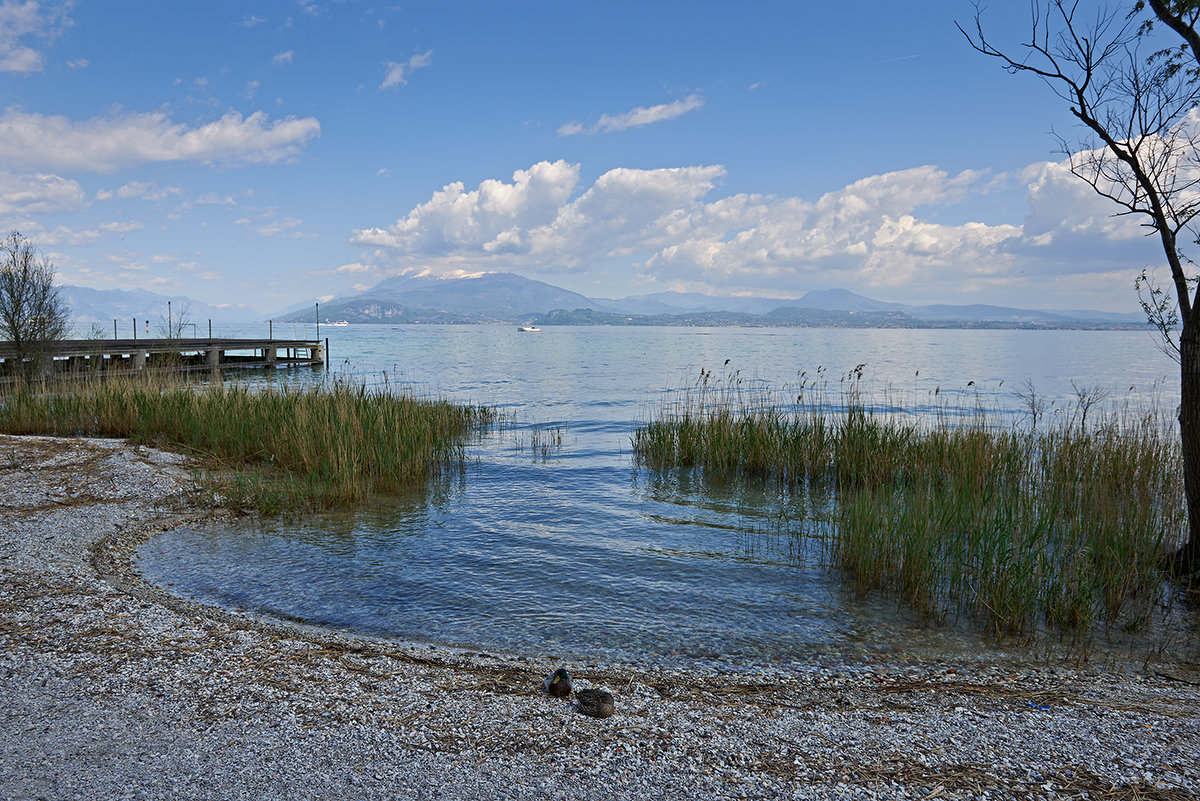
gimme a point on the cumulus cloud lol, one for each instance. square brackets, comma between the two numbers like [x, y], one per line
[20, 21]
[867, 233]
[396, 73]
[643, 115]
[454, 220]
[1066, 222]
[670, 227]
[533, 218]
[283, 58]
[39, 194]
[117, 140]
[355, 267]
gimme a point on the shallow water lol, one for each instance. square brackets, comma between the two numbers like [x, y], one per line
[571, 551]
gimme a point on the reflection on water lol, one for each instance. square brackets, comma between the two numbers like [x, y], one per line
[550, 562]
[567, 550]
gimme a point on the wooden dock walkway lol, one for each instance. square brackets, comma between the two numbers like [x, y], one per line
[177, 353]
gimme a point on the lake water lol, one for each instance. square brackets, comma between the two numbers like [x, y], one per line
[571, 551]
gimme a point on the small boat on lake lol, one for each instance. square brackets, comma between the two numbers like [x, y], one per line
[533, 329]
[340, 322]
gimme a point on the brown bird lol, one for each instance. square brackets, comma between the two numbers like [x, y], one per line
[558, 683]
[597, 703]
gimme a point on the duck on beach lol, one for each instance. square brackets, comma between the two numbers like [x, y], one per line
[596, 703]
[558, 683]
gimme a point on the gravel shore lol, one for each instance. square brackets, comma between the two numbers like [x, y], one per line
[112, 689]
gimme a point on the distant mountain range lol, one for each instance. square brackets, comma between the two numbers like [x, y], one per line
[102, 306]
[507, 298]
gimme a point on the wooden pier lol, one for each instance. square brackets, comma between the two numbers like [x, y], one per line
[179, 353]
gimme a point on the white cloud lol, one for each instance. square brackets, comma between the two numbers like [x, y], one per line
[624, 212]
[533, 222]
[454, 220]
[283, 58]
[213, 199]
[643, 115]
[355, 267]
[20, 20]
[39, 194]
[866, 234]
[64, 236]
[139, 190]
[396, 73]
[265, 224]
[117, 140]
[902, 233]
[251, 21]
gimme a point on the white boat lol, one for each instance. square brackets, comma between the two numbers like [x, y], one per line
[529, 328]
[340, 322]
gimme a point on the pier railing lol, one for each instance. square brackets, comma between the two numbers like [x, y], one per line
[172, 353]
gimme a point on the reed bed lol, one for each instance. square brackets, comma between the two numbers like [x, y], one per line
[267, 448]
[1020, 527]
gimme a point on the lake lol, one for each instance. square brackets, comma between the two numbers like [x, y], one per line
[552, 543]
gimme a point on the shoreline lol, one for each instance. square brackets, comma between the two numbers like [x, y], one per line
[110, 687]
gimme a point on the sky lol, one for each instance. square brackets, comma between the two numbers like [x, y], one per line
[269, 153]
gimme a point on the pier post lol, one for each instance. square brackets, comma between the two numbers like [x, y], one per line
[139, 359]
[269, 356]
[213, 357]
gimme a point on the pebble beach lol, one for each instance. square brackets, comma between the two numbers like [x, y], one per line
[111, 688]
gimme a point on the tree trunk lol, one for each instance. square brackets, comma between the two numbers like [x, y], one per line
[1188, 557]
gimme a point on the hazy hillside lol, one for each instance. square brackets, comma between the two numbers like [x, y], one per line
[102, 306]
[490, 294]
[510, 298]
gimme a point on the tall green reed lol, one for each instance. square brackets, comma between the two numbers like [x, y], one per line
[1019, 527]
[267, 447]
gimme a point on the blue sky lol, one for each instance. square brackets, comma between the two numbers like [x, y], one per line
[268, 153]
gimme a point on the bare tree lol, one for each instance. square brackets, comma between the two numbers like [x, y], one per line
[173, 326]
[32, 313]
[1141, 150]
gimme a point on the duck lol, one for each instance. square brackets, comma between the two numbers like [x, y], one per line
[558, 683]
[597, 703]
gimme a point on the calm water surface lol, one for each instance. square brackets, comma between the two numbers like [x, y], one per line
[572, 552]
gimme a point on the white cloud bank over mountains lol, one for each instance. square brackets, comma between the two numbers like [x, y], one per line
[879, 232]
